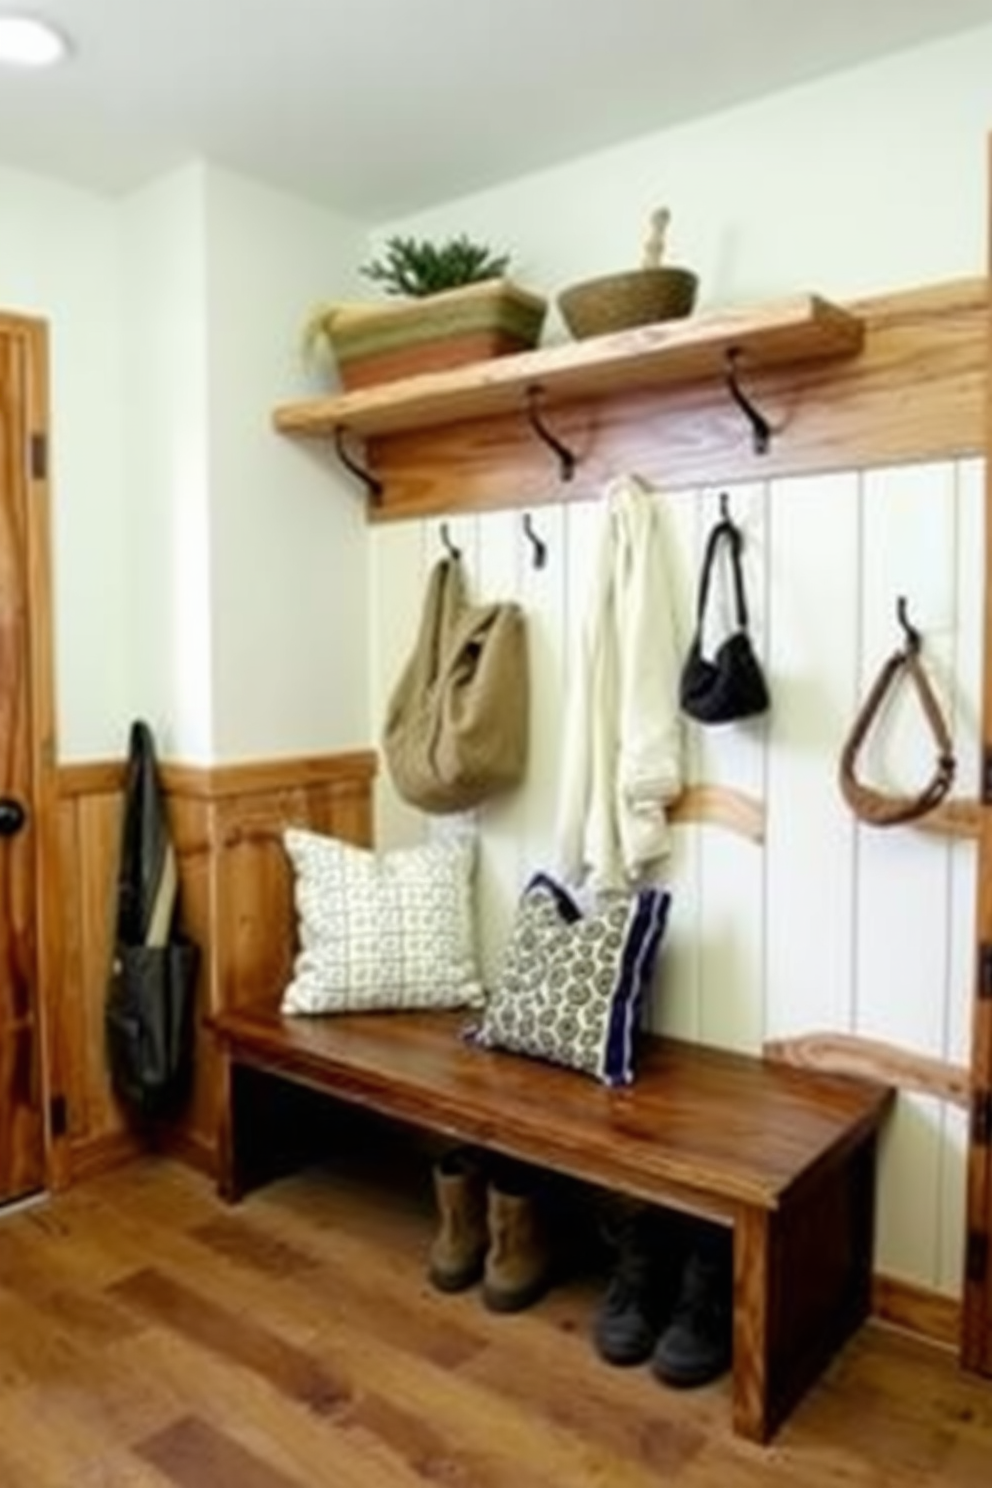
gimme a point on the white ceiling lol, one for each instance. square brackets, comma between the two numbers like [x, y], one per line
[380, 107]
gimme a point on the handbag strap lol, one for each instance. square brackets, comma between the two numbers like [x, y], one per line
[724, 531]
[443, 604]
[873, 806]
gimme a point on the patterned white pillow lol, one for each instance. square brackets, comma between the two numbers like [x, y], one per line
[382, 930]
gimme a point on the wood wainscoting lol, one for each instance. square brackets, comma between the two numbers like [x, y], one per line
[236, 897]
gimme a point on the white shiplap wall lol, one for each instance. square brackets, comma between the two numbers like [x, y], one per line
[829, 924]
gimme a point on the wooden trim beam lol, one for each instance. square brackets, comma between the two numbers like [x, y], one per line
[720, 806]
[915, 392]
[873, 1059]
[210, 782]
[259, 777]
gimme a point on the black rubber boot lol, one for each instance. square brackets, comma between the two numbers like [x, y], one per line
[629, 1317]
[697, 1345]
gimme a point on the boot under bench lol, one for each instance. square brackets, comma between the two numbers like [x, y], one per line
[785, 1157]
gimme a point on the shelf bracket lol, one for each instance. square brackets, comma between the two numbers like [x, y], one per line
[372, 483]
[761, 429]
[566, 457]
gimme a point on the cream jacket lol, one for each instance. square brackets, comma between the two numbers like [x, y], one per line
[622, 748]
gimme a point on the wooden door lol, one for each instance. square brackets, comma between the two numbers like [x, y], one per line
[26, 754]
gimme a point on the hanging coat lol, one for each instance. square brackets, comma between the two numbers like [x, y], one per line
[149, 1011]
[622, 759]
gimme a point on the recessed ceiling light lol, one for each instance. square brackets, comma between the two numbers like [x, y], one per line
[26, 41]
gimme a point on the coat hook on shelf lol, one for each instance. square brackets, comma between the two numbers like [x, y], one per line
[761, 429]
[913, 638]
[566, 457]
[540, 547]
[449, 547]
[371, 482]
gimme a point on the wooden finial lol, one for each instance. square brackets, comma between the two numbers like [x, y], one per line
[654, 243]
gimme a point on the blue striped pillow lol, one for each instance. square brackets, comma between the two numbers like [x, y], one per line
[572, 984]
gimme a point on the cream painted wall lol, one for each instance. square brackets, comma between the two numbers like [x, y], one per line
[864, 182]
[288, 586]
[60, 260]
[209, 576]
[167, 438]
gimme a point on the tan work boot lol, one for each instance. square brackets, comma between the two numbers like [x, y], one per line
[459, 1248]
[518, 1262]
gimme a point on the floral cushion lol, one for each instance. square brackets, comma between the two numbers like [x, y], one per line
[382, 930]
[571, 985]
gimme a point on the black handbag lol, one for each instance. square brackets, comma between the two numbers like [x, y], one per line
[732, 684]
[149, 1015]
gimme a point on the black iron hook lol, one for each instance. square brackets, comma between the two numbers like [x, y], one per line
[761, 429]
[724, 507]
[538, 544]
[371, 482]
[449, 547]
[566, 457]
[914, 640]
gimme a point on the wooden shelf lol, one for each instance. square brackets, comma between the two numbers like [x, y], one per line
[804, 328]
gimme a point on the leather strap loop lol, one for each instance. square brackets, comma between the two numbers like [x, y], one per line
[873, 806]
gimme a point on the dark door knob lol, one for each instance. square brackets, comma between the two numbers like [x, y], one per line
[12, 816]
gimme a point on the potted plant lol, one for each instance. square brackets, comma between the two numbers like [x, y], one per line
[454, 305]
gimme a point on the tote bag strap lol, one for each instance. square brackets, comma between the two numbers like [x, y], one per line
[443, 605]
[724, 531]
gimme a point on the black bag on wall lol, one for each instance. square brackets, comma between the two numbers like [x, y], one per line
[732, 684]
[148, 1018]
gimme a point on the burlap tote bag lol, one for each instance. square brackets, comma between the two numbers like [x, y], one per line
[457, 722]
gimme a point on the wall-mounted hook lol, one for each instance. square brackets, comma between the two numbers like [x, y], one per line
[566, 457]
[914, 640]
[538, 544]
[448, 546]
[761, 429]
[724, 507]
[371, 482]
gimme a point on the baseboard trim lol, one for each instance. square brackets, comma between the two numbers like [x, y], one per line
[915, 1309]
[95, 1155]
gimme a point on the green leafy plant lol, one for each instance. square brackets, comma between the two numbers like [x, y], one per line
[418, 268]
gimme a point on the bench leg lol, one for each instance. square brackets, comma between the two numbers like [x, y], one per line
[229, 1184]
[802, 1284]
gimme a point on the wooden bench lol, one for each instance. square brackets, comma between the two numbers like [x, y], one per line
[785, 1157]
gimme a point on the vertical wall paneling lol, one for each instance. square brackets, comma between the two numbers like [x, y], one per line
[967, 707]
[501, 553]
[542, 594]
[812, 651]
[730, 922]
[397, 589]
[908, 548]
[827, 925]
[677, 1001]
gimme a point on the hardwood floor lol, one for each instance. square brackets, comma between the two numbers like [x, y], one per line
[150, 1336]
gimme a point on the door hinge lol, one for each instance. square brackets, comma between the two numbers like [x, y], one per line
[984, 989]
[39, 457]
[977, 1257]
[981, 1118]
[58, 1116]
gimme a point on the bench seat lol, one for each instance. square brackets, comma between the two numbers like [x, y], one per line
[785, 1157]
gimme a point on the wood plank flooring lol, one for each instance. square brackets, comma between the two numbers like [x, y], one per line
[150, 1337]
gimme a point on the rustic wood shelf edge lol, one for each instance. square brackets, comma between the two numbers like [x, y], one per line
[804, 328]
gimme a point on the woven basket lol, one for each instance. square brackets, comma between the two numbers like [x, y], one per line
[617, 302]
[381, 342]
